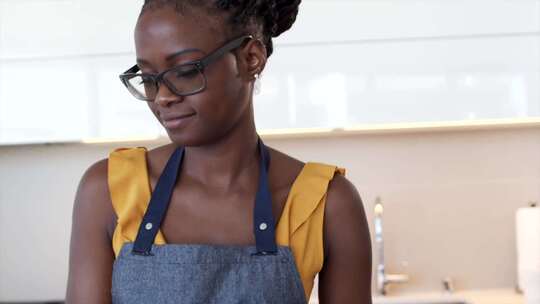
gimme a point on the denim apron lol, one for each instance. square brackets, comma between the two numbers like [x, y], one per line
[144, 272]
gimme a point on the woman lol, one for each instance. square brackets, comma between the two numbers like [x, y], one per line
[215, 216]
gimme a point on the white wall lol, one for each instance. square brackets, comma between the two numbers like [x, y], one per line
[343, 63]
[449, 198]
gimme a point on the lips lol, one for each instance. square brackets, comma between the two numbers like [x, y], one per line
[171, 121]
[166, 117]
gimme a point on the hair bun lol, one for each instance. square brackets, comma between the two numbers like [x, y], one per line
[285, 12]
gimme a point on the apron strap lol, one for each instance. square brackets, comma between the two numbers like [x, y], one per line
[159, 202]
[263, 219]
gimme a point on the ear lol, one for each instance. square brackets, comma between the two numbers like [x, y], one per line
[252, 59]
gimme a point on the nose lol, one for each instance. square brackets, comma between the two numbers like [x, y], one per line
[165, 96]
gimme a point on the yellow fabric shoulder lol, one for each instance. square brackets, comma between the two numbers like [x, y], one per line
[300, 226]
[130, 193]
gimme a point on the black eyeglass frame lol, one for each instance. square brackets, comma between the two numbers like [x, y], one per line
[200, 64]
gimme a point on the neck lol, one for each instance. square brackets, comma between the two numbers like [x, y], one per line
[227, 163]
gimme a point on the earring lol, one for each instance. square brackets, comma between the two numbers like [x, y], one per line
[257, 84]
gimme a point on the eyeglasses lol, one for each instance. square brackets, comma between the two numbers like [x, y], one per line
[183, 80]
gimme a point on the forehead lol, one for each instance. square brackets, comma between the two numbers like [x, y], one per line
[162, 31]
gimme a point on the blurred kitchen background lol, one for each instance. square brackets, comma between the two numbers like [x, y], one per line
[431, 105]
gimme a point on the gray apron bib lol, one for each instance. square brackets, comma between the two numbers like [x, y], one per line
[196, 273]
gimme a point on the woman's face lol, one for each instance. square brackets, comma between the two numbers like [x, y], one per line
[225, 102]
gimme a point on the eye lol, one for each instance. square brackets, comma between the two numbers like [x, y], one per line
[187, 72]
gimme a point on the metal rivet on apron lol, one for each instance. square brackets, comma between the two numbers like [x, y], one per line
[263, 226]
[148, 226]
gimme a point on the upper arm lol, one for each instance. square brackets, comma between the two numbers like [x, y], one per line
[91, 255]
[346, 273]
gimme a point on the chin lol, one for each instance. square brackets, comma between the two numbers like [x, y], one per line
[195, 138]
[183, 139]
[187, 138]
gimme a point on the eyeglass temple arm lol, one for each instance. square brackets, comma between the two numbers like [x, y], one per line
[211, 57]
[224, 49]
[133, 69]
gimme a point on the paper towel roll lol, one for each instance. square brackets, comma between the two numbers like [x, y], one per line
[528, 246]
[531, 286]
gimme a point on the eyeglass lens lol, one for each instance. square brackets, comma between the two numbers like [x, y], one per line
[182, 80]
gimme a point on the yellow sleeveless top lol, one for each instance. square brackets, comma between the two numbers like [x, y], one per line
[300, 226]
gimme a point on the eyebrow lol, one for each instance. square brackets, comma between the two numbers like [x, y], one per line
[173, 55]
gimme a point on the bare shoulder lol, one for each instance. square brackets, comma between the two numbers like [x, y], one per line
[94, 181]
[91, 254]
[93, 195]
[96, 173]
[157, 157]
[282, 159]
[346, 273]
[284, 167]
[343, 197]
[344, 213]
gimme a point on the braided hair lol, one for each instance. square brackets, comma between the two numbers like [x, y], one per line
[264, 19]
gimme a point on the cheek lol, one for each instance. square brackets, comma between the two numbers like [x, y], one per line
[224, 99]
